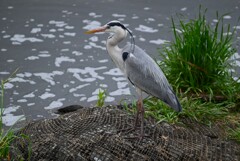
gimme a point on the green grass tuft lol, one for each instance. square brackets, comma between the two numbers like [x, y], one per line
[101, 98]
[7, 137]
[234, 134]
[196, 109]
[197, 61]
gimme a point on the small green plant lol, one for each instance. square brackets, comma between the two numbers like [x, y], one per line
[7, 137]
[101, 98]
[196, 109]
[234, 134]
[197, 61]
[160, 111]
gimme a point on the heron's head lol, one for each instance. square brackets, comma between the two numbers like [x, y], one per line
[111, 27]
[117, 28]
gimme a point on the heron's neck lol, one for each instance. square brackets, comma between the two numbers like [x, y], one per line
[115, 39]
[112, 47]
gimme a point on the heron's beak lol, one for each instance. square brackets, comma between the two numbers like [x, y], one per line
[100, 29]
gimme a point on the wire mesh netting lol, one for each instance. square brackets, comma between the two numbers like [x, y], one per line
[104, 134]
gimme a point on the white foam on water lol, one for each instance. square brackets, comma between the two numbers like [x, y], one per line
[103, 85]
[15, 93]
[6, 36]
[235, 56]
[10, 109]
[44, 52]
[10, 119]
[47, 95]
[57, 23]
[78, 95]
[21, 80]
[236, 79]
[40, 25]
[135, 17]
[103, 61]
[44, 55]
[30, 95]
[52, 30]
[64, 50]
[87, 47]
[32, 58]
[109, 99]
[10, 60]
[69, 27]
[30, 104]
[66, 42]
[96, 92]
[227, 17]
[70, 34]
[238, 63]
[87, 70]
[94, 15]
[142, 39]
[83, 99]
[151, 19]
[65, 85]
[78, 87]
[61, 59]
[146, 8]
[184, 9]
[94, 38]
[122, 84]
[8, 85]
[4, 73]
[179, 31]
[77, 53]
[3, 49]
[55, 104]
[25, 74]
[91, 24]
[41, 116]
[227, 33]
[35, 30]
[22, 100]
[48, 77]
[147, 29]
[92, 98]
[17, 39]
[97, 46]
[236, 27]
[158, 41]
[114, 72]
[10, 7]
[120, 92]
[118, 15]
[50, 36]
[119, 79]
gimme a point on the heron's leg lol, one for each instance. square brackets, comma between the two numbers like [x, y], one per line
[140, 112]
[140, 115]
[137, 116]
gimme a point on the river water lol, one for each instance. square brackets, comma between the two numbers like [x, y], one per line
[58, 65]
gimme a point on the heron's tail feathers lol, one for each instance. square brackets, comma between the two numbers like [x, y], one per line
[172, 100]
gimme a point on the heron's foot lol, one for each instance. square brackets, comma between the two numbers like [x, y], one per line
[133, 132]
[128, 130]
[137, 136]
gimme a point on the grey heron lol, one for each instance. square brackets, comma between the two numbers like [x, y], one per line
[139, 68]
